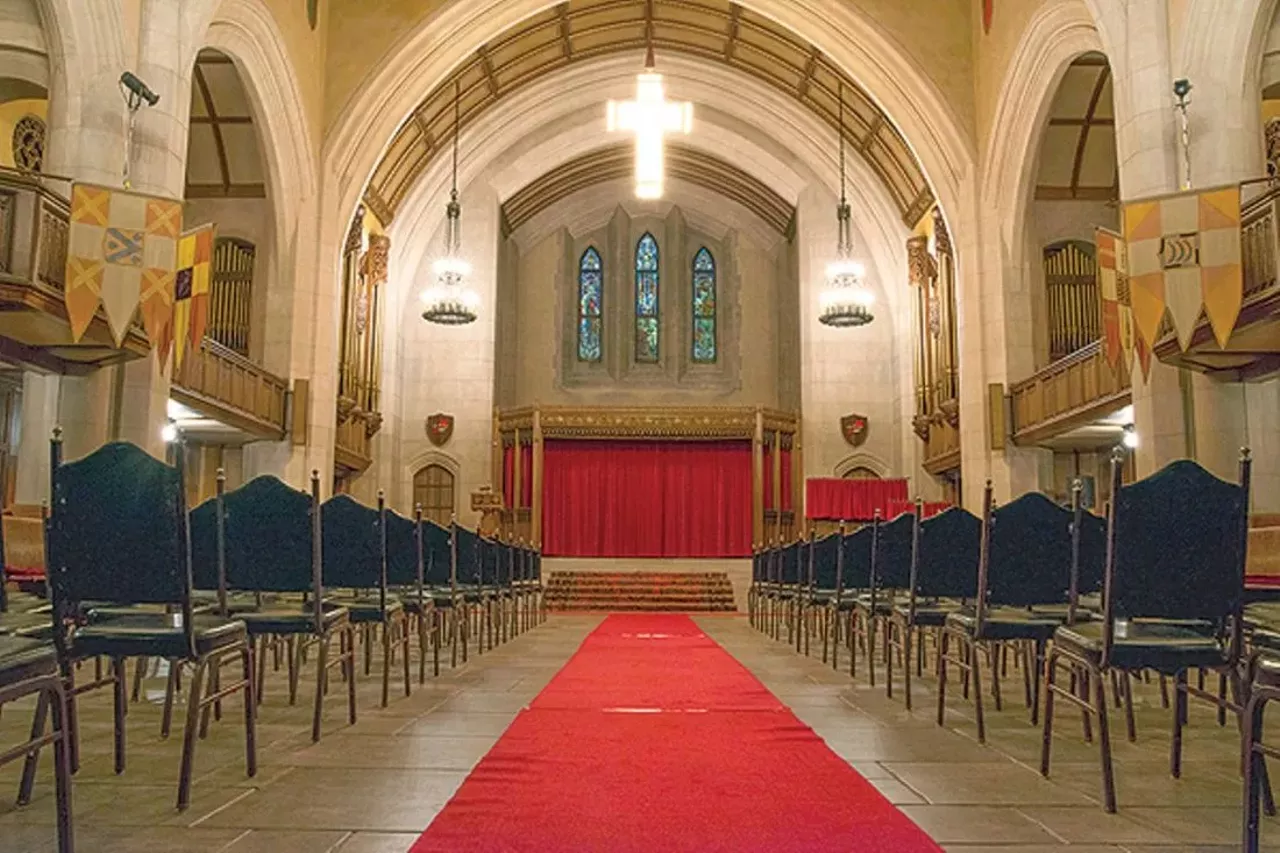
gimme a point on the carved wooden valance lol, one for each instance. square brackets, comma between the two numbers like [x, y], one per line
[679, 423]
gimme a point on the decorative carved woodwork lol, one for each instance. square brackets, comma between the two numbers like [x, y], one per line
[931, 275]
[364, 274]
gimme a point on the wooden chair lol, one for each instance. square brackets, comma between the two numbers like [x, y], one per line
[464, 573]
[889, 572]
[30, 667]
[1029, 577]
[437, 543]
[1172, 598]
[1264, 688]
[265, 538]
[354, 574]
[118, 536]
[406, 575]
[944, 559]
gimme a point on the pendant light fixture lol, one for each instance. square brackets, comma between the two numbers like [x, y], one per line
[450, 301]
[846, 301]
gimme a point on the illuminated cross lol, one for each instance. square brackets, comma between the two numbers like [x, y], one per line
[650, 117]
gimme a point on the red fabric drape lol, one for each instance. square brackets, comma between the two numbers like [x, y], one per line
[526, 475]
[852, 500]
[509, 477]
[768, 477]
[784, 474]
[646, 499]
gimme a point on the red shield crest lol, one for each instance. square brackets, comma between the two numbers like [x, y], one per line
[854, 429]
[439, 429]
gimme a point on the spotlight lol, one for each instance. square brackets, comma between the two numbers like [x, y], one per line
[137, 89]
[1130, 436]
[169, 432]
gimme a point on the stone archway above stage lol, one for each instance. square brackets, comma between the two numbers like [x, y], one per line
[520, 437]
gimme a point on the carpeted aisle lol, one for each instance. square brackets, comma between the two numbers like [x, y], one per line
[653, 738]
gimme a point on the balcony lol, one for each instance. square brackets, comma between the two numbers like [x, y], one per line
[1069, 394]
[1253, 350]
[34, 224]
[353, 449]
[224, 385]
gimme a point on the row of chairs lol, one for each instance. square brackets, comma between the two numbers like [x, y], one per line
[1157, 587]
[264, 568]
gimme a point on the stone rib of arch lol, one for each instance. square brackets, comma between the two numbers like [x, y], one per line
[712, 30]
[617, 161]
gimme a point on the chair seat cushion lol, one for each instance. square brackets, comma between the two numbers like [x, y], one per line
[294, 618]
[142, 634]
[1266, 671]
[928, 614]
[366, 609]
[1163, 646]
[1006, 623]
[22, 659]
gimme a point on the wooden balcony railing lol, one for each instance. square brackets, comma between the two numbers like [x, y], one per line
[230, 388]
[34, 224]
[1071, 392]
[942, 447]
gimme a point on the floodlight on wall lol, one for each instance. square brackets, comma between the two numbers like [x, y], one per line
[450, 301]
[169, 432]
[136, 93]
[846, 301]
[1130, 439]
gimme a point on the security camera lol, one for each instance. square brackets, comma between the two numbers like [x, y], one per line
[138, 89]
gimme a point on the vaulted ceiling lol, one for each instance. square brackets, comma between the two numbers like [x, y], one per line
[1078, 149]
[712, 30]
[223, 155]
[616, 161]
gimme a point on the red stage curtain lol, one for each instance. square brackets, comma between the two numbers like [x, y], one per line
[646, 499]
[784, 474]
[852, 500]
[509, 477]
[526, 475]
[768, 477]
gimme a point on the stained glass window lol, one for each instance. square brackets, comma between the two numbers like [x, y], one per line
[647, 299]
[704, 307]
[590, 306]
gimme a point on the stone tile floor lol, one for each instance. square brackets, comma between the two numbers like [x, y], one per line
[373, 787]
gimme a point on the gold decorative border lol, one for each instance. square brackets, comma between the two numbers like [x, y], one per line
[680, 423]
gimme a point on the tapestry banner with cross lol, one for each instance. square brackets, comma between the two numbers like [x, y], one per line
[1113, 294]
[192, 285]
[121, 245]
[1184, 257]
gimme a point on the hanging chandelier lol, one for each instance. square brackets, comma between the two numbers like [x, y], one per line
[845, 301]
[650, 117]
[450, 301]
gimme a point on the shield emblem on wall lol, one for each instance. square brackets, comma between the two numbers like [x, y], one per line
[854, 429]
[439, 429]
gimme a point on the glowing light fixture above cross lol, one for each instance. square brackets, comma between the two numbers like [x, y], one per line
[650, 117]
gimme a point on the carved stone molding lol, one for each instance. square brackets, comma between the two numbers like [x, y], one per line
[372, 423]
[1273, 147]
[920, 424]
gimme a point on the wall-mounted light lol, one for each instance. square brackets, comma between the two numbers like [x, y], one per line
[1130, 436]
[169, 432]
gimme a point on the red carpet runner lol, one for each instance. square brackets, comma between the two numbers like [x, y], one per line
[653, 738]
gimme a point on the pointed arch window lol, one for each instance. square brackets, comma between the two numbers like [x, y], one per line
[590, 306]
[647, 283]
[704, 307]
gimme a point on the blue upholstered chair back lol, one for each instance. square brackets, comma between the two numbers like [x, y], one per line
[269, 538]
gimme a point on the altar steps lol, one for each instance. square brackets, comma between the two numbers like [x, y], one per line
[691, 592]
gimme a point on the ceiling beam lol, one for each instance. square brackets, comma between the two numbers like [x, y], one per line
[566, 41]
[1098, 86]
[218, 143]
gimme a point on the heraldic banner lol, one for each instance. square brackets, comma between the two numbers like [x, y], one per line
[191, 292]
[1113, 294]
[122, 245]
[1184, 257]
